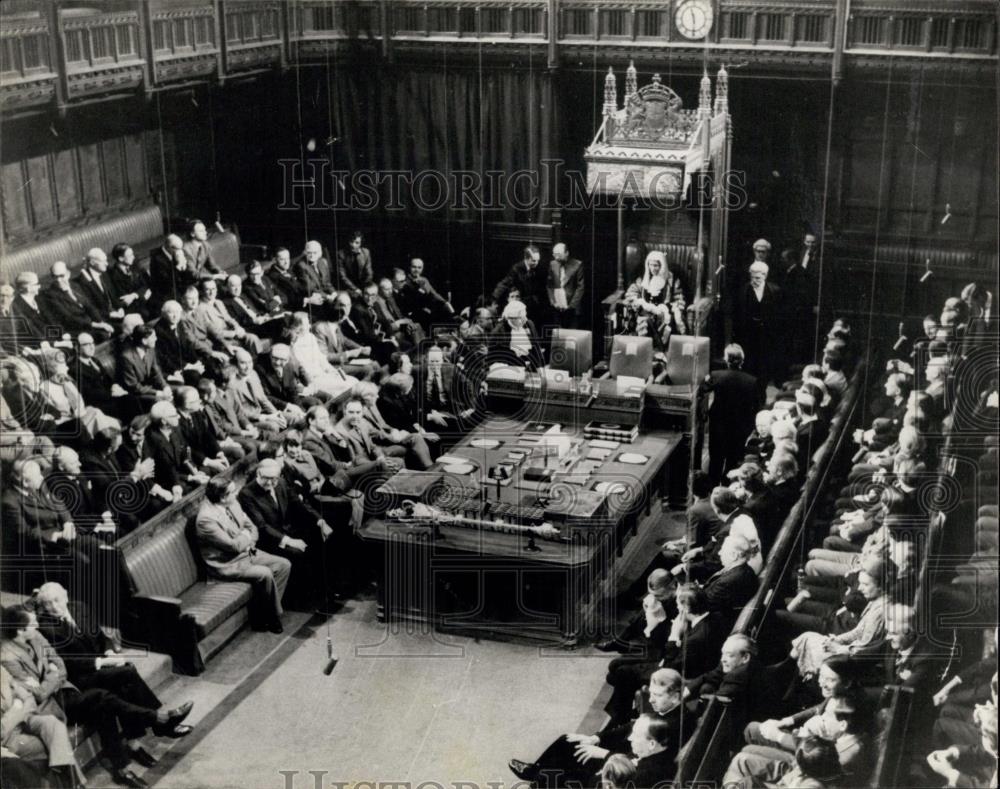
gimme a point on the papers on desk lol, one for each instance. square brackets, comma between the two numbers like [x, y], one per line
[452, 460]
[503, 372]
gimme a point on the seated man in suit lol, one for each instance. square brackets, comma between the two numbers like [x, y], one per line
[165, 444]
[95, 285]
[139, 371]
[287, 284]
[228, 542]
[199, 253]
[199, 436]
[251, 398]
[369, 466]
[213, 348]
[180, 357]
[395, 441]
[96, 384]
[354, 266]
[335, 339]
[75, 492]
[215, 316]
[237, 436]
[130, 286]
[282, 383]
[737, 679]
[576, 758]
[91, 662]
[689, 645]
[398, 405]
[289, 527]
[443, 402]
[315, 280]
[261, 293]
[71, 309]
[366, 328]
[266, 324]
[332, 494]
[169, 272]
[405, 331]
[30, 331]
[427, 305]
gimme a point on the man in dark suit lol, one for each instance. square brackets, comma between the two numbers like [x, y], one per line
[566, 288]
[260, 292]
[366, 328]
[177, 352]
[139, 371]
[94, 284]
[735, 402]
[756, 321]
[264, 324]
[291, 528]
[130, 287]
[96, 383]
[282, 382]
[169, 272]
[811, 431]
[88, 655]
[800, 289]
[427, 306]
[738, 679]
[529, 279]
[198, 433]
[405, 331]
[354, 266]
[29, 327]
[165, 444]
[575, 759]
[70, 309]
[282, 276]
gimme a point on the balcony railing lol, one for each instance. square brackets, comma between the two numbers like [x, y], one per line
[52, 52]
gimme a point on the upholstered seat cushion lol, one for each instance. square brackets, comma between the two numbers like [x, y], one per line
[163, 564]
[210, 604]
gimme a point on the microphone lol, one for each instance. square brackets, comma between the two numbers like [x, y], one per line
[331, 659]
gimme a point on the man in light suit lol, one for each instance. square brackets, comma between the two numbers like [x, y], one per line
[565, 288]
[366, 460]
[251, 398]
[199, 253]
[216, 317]
[228, 542]
[315, 279]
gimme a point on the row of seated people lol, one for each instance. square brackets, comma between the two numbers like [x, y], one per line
[95, 449]
[692, 596]
[57, 669]
[851, 627]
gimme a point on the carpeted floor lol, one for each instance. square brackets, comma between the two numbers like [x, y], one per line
[399, 706]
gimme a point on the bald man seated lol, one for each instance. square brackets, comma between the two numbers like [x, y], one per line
[67, 306]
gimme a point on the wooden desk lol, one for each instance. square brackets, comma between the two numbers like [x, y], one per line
[490, 583]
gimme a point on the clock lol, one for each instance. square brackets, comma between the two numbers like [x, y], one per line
[694, 18]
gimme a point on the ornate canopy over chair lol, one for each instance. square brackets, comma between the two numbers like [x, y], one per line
[648, 149]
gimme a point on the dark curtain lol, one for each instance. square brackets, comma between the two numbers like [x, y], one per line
[442, 121]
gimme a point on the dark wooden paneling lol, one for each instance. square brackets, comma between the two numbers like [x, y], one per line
[39, 190]
[90, 175]
[65, 176]
[135, 166]
[16, 221]
[112, 153]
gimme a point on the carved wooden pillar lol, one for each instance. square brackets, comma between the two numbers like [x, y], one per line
[59, 48]
[146, 47]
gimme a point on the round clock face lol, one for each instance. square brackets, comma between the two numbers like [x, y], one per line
[694, 18]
